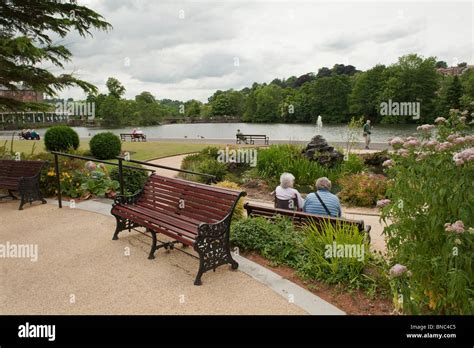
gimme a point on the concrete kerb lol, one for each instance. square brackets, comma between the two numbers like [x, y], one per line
[293, 293]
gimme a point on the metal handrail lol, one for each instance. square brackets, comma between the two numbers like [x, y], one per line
[120, 166]
[84, 158]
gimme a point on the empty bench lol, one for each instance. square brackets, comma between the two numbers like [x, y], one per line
[192, 214]
[300, 218]
[132, 137]
[22, 177]
[250, 138]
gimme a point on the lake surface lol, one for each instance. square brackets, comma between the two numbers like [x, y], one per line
[285, 132]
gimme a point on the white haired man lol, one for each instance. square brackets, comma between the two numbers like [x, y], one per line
[322, 202]
[286, 192]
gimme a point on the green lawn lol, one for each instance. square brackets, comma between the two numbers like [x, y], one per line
[142, 151]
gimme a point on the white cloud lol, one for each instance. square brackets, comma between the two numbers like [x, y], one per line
[191, 57]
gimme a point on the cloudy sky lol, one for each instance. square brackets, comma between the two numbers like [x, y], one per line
[186, 49]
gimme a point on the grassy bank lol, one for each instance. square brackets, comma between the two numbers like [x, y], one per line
[142, 151]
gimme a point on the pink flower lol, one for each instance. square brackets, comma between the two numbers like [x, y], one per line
[457, 227]
[469, 139]
[440, 120]
[444, 146]
[431, 143]
[411, 143]
[425, 128]
[383, 203]
[388, 163]
[451, 137]
[403, 152]
[459, 140]
[466, 155]
[397, 270]
[397, 141]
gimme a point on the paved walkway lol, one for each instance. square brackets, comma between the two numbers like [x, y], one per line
[80, 270]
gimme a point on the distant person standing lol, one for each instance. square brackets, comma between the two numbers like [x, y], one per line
[367, 133]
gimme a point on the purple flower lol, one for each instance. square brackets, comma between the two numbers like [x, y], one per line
[397, 270]
[440, 120]
[457, 227]
[383, 203]
[388, 163]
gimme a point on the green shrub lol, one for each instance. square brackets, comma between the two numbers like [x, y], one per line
[133, 180]
[277, 159]
[212, 167]
[431, 235]
[279, 242]
[324, 241]
[354, 164]
[362, 189]
[61, 138]
[105, 145]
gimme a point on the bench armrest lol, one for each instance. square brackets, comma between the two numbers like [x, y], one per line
[127, 199]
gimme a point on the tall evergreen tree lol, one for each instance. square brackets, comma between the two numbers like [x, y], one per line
[26, 28]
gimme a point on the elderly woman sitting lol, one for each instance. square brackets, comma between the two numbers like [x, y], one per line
[286, 197]
[322, 202]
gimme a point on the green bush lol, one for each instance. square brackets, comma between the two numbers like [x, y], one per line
[277, 159]
[362, 189]
[279, 242]
[354, 164]
[105, 145]
[61, 138]
[212, 167]
[133, 180]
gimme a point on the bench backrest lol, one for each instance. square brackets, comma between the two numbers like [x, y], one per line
[196, 202]
[18, 169]
[298, 217]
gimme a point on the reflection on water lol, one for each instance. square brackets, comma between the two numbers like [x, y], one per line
[289, 132]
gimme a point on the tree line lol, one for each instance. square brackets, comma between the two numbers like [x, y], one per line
[337, 94]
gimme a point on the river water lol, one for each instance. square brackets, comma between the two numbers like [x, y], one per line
[282, 132]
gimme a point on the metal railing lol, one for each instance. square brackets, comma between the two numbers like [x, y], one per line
[120, 166]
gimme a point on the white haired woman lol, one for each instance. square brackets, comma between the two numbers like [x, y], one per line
[286, 197]
[322, 202]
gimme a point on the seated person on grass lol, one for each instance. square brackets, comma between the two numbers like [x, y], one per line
[286, 192]
[322, 202]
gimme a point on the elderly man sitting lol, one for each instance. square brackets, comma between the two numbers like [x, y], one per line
[286, 197]
[322, 202]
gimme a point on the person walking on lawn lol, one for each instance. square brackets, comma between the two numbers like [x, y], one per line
[367, 133]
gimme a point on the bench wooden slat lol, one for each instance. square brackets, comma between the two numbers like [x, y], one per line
[203, 221]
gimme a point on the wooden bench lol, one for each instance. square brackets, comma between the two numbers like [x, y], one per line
[250, 138]
[192, 214]
[132, 137]
[23, 177]
[300, 218]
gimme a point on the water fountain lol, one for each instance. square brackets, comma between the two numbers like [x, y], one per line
[319, 123]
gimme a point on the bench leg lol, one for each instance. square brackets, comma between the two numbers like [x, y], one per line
[10, 193]
[151, 256]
